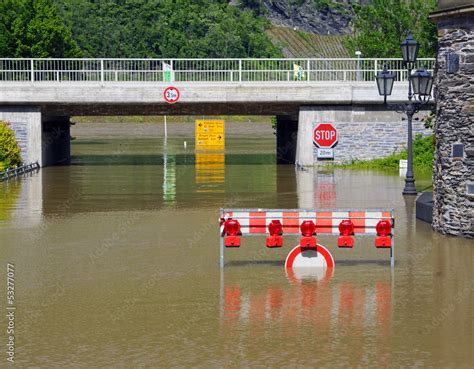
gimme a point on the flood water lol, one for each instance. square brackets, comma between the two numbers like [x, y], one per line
[117, 266]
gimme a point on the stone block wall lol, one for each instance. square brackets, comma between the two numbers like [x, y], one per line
[453, 208]
[364, 133]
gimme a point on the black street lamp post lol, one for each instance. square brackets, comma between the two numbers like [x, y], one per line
[419, 93]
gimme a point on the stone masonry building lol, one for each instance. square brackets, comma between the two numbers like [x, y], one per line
[453, 177]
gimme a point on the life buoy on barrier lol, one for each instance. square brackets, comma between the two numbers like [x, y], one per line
[301, 257]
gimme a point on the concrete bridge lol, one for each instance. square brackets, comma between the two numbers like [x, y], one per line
[37, 96]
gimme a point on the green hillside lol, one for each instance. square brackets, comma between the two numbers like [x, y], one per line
[298, 44]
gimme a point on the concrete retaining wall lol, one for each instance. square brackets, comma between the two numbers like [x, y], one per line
[45, 140]
[364, 133]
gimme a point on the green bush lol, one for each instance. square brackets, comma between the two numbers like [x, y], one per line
[10, 155]
[423, 153]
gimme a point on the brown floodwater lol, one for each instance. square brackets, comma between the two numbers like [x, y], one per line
[116, 262]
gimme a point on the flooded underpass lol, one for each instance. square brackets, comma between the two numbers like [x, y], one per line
[117, 263]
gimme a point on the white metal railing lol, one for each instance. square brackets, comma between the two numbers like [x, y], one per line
[200, 70]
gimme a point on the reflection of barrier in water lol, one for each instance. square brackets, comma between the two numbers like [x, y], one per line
[236, 223]
[210, 172]
[318, 302]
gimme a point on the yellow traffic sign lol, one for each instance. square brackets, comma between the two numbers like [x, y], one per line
[210, 135]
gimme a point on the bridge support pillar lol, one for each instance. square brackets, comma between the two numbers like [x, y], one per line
[56, 139]
[25, 121]
[307, 115]
[286, 132]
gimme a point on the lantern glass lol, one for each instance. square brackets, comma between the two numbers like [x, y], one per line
[409, 50]
[385, 82]
[383, 228]
[422, 82]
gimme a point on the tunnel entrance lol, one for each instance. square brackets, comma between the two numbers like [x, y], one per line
[263, 138]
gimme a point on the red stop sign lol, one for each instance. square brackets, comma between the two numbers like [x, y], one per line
[325, 135]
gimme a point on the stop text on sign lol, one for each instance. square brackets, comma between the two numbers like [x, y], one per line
[324, 135]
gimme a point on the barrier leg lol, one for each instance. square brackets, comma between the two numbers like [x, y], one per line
[221, 245]
[392, 253]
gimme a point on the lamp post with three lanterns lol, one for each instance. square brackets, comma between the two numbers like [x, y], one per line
[420, 83]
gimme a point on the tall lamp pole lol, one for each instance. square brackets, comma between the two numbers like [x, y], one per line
[420, 84]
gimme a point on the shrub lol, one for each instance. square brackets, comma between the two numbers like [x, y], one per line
[423, 153]
[10, 155]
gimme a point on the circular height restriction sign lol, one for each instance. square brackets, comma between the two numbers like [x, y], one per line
[325, 135]
[301, 257]
[171, 95]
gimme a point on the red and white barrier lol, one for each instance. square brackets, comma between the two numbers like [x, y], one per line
[327, 222]
[276, 223]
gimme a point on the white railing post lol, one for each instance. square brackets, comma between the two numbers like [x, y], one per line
[308, 68]
[172, 70]
[32, 71]
[240, 70]
[375, 67]
[102, 72]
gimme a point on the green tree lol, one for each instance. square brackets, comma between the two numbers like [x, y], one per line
[256, 5]
[382, 25]
[166, 28]
[9, 150]
[33, 28]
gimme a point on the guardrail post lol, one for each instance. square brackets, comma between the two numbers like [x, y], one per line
[32, 71]
[240, 70]
[308, 68]
[375, 67]
[172, 70]
[102, 72]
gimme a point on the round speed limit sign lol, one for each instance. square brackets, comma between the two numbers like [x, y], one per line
[171, 95]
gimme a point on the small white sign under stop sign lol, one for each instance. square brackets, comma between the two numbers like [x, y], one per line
[325, 154]
[403, 167]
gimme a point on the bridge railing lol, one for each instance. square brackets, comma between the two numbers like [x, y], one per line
[200, 70]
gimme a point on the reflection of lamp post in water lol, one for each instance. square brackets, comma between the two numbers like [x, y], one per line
[419, 93]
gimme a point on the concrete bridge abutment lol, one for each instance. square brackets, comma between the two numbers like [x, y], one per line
[25, 121]
[42, 139]
[364, 132]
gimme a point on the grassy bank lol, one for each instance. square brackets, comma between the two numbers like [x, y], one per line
[423, 152]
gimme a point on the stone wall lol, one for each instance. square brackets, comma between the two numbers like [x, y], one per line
[453, 209]
[364, 132]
